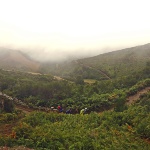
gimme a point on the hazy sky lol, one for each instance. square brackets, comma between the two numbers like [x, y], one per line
[63, 27]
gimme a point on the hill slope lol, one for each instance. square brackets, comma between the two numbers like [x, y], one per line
[121, 62]
[105, 66]
[12, 59]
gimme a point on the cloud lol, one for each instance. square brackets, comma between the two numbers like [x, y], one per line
[58, 30]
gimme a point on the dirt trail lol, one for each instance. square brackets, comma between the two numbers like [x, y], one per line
[132, 99]
[100, 71]
[15, 148]
[24, 109]
[6, 129]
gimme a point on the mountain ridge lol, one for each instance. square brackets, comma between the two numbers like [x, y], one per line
[110, 64]
[17, 60]
[114, 64]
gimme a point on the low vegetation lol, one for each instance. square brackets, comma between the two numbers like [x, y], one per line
[112, 65]
[110, 123]
[128, 129]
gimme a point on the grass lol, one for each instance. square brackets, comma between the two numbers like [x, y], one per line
[90, 81]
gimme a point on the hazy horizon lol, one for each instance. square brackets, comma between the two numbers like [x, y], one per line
[56, 30]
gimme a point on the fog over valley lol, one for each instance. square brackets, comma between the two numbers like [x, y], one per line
[60, 31]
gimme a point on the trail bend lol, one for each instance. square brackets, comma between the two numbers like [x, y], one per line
[100, 71]
[132, 99]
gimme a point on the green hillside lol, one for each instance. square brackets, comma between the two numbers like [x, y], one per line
[17, 60]
[124, 130]
[122, 62]
[118, 104]
[109, 122]
[104, 66]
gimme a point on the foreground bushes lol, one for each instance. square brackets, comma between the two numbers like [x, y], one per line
[108, 130]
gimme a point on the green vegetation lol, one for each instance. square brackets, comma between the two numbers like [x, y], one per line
[124, 128]
[90, 81]
[115, 64]
[46, 91]
[6, 105]
[110, 130]
[103, 86]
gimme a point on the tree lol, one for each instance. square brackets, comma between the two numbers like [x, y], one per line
[120, 105]
[8, 106]
[79, 80]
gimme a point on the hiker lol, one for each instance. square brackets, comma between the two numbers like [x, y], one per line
[68, 111]
[83, 111]
[59, 108]
[76, 111]
[52, 108]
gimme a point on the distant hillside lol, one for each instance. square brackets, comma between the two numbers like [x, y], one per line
[121, 62]
[129, 61]
[17, 60]
[104, 66]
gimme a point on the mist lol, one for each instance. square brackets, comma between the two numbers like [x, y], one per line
[43, 53]
[65, 30]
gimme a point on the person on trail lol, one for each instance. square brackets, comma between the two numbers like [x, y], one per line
[59, 108]
[83, 111]
[68, 111]
[52, 108]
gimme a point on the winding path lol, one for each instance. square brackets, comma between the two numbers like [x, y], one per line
[100, 71]
[24, 109]
[132, 99]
